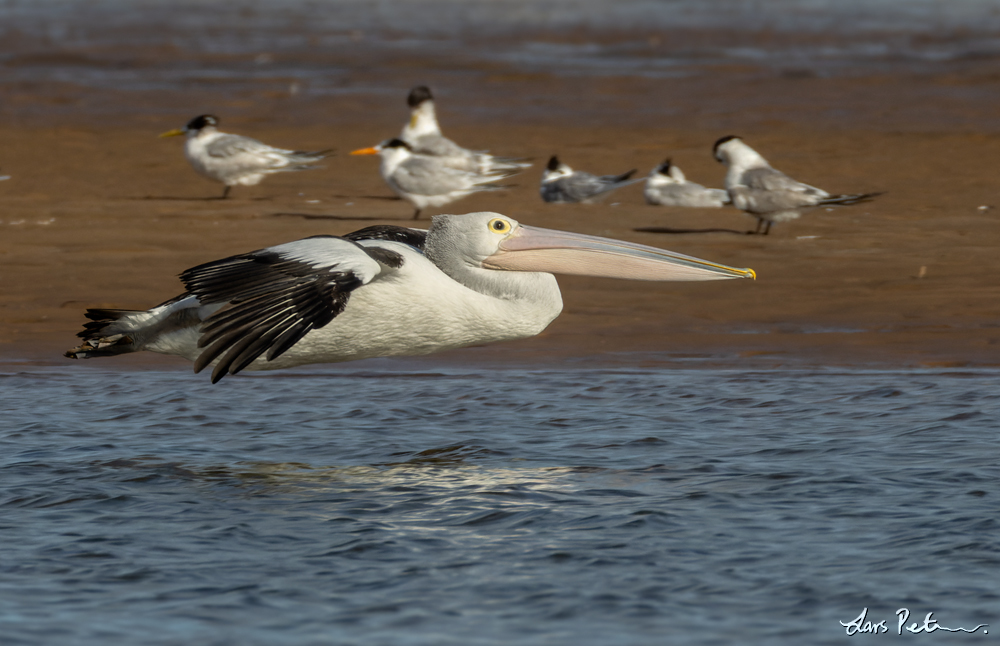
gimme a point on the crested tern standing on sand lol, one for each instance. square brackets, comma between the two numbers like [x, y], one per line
[423, 134]
[667, 186]
[561, 184]
[379, 292]
[234, 159]
[768, 194]
[427, 180]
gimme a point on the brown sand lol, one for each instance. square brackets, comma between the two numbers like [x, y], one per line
[102, 216]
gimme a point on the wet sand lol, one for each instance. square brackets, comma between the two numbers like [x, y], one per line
[100, 213]
[906, 280]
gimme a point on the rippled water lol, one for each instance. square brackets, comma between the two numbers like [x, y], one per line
[401, 504]
[147, 45]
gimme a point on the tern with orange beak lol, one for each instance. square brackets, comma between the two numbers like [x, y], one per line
[428, 180]
[382, 291]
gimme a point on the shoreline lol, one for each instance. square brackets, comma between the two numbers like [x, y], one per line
[100, 213]
[835, 286]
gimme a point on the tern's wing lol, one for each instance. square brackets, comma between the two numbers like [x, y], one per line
[582, 186]
[769, 179]
[429, 176]
[275, 296]
[439, 146]
[229, 146]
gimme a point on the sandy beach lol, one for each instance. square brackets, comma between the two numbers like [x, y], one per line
[101, 213]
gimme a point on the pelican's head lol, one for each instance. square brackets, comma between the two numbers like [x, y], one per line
[496, 242]
[204, 122]
[555, 170]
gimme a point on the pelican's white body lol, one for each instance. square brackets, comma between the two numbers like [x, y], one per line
[414, 310]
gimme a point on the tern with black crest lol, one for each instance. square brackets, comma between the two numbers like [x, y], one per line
[768, 194]
[666, 185]
[379, 292]
[423, 134]
[561, 184]
[237, 160]
[426, 180]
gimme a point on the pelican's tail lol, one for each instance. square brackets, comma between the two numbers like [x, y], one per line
[170, 328]
[847, 200]
[100, 336]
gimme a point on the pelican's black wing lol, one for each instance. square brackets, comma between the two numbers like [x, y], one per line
[416, 238]
[275, 296]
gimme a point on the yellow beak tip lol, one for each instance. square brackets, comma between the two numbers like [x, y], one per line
[172, 133]
[365, 151]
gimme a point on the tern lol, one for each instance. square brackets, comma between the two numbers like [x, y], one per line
[426, 180]
[381, 291]
[423, 134]
[768, 194]
[562, 184]
[234, 159]
[667, 186]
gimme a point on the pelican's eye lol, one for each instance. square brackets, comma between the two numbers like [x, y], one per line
[499, 226]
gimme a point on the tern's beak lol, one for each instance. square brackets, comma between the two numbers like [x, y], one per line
[557, 252]
[176, 132]
[366, 151]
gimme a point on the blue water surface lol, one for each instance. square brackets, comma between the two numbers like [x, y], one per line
[418, 504]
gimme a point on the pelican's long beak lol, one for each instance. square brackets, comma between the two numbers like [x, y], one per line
[176, 132]
[558, 252]
[374, 150]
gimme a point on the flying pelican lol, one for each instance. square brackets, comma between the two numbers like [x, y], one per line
[561, 184]
[423, 134]
[667, 186]
[426, 180]
[378, 292]
[234, 159]
[768, 194]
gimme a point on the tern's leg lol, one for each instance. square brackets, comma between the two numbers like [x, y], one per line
[767, 229]
[225, 193]
[416, 214]
[760, 222]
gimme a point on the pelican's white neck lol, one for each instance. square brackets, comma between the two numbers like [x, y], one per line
[536, 292]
